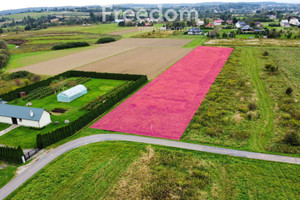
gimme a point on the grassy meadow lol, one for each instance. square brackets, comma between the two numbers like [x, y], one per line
[140, 171]
[3, 126]
[247, 107]
[26, 137]
[24, 59]
[42, 40]
[20, 16]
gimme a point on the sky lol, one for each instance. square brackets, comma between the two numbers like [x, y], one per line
[15, 4]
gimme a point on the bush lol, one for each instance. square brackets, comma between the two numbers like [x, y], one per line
[36, 78]
[292, 138]
[105, 40]
[69, 45]
[289, 91]
[214, 132]
[4, 54]
[240, 135]
[19, 74]
[252, 106]
[265, 53]
[268, 66]
[3, 44]
[273, 69]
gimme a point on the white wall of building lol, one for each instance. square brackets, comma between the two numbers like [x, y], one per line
[30, 123]
[45, 119]
[5, 120]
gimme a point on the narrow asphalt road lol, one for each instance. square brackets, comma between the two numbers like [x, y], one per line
[24, 176]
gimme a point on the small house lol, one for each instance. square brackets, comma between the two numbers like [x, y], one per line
[294, 21]
[272, 17]
[240, 24]
[200, 23]
[218, 22]
[210, 25]
[229, 22]
[195, 31]
[284, 23]
[246, 29]
[72, 93]
[258, 25]
[24, 116]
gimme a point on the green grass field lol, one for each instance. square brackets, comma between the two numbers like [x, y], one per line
[26, 137]
[25, 59]
[20, 16]
[38, 44]
[6, 174]
[139, 171]
[44, 39]
[3, 126]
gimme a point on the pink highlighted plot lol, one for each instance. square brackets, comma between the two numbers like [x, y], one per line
[165, 106]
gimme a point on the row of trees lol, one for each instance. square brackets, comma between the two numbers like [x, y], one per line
[11, 154]
[4, 54]
[44, 140]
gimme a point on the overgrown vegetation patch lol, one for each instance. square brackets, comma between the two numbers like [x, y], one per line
[253, 104]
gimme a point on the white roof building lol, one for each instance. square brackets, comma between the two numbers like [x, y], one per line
[24, 116]
[72, 93]
[294, 21]
[284, 23]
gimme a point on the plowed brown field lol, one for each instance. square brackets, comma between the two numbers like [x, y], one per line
[150, 61]
[142, 60]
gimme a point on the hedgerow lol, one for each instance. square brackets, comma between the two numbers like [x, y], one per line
[11, 154]
[69, 45]
[105, 40]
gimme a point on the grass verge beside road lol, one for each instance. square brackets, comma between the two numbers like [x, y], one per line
[137, 171]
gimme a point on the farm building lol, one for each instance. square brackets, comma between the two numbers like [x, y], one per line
[24, 116]
[72, 93]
